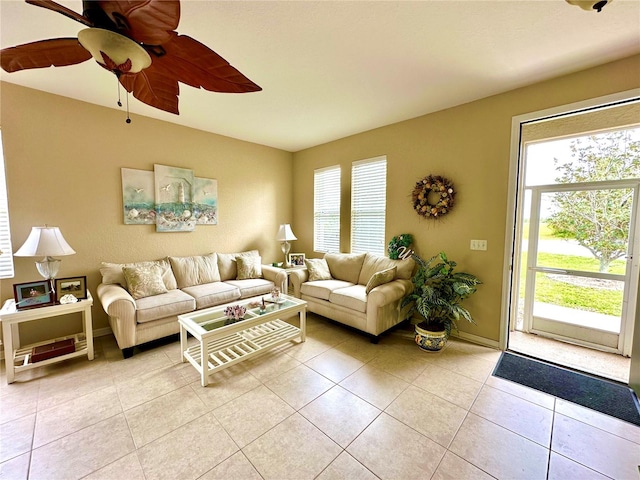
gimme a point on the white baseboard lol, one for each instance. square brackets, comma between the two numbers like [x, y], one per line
[101, 332]
[476, 339]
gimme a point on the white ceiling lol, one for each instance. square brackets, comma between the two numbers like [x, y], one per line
[330, 69]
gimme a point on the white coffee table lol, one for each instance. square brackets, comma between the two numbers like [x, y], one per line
[223, 342]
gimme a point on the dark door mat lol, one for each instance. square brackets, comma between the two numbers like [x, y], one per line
[604, 396]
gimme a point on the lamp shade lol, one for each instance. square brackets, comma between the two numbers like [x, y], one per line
[118, 48]
[589, 4]
[285, 234]
[45, 242]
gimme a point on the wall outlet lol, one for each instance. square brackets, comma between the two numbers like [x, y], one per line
[478, 244]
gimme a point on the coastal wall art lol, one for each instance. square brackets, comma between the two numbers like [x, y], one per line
[174, 209]
[172, 198]
[138, 197]
[205, 201]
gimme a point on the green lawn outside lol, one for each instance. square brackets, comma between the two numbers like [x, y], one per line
[545, 232]
[549, 290]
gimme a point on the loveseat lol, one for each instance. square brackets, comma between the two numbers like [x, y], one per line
[143, 299]
[363, 291]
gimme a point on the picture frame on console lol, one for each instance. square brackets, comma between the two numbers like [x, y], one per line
[32, 294]
[296, 259]
[76, 286]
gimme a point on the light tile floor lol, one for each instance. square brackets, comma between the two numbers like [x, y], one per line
[333, 407]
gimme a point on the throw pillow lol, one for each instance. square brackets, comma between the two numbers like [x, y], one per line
[228, 266]
[144, 281]
[318, 269]
[249, 267]
[112, 272]
[380, 278]
[196, 270]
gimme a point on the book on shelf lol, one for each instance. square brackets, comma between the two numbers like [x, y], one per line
[51, 350]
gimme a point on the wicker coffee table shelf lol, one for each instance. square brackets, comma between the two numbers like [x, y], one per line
[223, 343]
[243, 345]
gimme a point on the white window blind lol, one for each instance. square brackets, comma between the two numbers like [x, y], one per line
[326, 210]
[6, 259]
[368, 205]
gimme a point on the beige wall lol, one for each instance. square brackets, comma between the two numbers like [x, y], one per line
[468, 144]
[63, 161]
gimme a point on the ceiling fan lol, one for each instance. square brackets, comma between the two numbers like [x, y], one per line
[137, 41]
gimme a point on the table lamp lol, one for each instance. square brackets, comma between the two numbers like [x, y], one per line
[284, 235]
[46, 241]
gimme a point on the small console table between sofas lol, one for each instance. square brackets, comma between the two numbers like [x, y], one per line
[18, 358]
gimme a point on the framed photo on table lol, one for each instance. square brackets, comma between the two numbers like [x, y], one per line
[76, 286]
[32, 294]
[296, 259]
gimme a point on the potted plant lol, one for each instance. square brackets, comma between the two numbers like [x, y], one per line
[436, 298]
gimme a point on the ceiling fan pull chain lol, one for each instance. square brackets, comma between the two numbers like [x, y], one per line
[128, 119]
[118, 83]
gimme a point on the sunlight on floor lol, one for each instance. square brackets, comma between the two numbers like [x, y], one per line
[608, 365]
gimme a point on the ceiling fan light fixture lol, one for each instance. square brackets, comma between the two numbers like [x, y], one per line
[589, 5]
[115, 46]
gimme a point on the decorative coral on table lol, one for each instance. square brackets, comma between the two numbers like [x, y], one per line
[235, 312]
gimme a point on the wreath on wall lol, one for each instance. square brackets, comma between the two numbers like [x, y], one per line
[433, 196]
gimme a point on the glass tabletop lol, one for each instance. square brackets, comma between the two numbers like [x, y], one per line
[213, 318]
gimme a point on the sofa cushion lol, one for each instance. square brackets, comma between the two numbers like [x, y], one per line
[210, 294]
[376, 263]
[112, 273]
[346, 266]
[322, 288]
[195, 270]
[318, 269]
[249, 266]
[353, 297]
[227, 265]
[144, 280]
[252, 287]
[380, 278]
[174, 302]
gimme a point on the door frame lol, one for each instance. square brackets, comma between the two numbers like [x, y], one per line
[630, 277]
[513, 233]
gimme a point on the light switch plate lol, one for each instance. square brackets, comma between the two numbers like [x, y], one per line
[478, 244]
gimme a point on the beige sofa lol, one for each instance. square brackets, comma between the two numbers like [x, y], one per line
[144, 299]
[363, 291]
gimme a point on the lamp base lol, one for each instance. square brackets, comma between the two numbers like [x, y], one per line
[286, 246]
[48, 267]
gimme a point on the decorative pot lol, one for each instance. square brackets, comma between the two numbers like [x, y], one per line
[430, 341]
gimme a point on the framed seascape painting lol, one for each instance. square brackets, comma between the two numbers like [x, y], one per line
[32, 294]
[205, 201]
[76, 286]
[174, 199]
[138, 197]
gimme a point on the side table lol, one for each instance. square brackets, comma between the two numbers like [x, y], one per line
[18, 358]
[285, 284]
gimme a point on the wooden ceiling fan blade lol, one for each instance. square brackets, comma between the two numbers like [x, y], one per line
[56, 7]
[146, 21]
[197, 65]
[155, 87]
[56, 52]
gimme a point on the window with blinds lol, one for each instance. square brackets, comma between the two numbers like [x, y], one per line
[326, 210]
[368, 205]
[6, 258]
